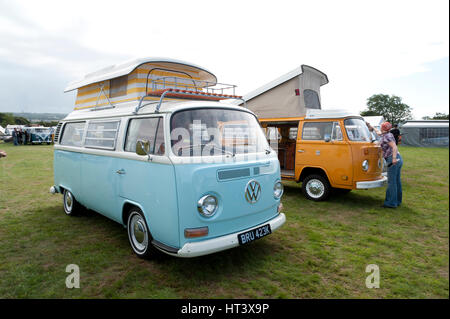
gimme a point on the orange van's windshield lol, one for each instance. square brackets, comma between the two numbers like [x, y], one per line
[357, 130]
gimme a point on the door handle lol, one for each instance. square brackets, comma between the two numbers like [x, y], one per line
[120, 171]
[301, 151]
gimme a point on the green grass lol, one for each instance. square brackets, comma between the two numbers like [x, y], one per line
[321, 252]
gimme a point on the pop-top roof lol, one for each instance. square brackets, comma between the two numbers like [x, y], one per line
[286, 77]
[127, 67]
[328, 114]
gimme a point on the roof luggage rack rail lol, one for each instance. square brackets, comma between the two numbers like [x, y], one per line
[99, 108]
[171, 86]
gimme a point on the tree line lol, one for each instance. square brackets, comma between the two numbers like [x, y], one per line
[393, 109]
[9, 118]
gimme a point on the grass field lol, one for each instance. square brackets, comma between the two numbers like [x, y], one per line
[321, 252]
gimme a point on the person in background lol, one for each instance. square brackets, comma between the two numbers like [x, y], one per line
[394, 164]
[2, 154]
[19, 136]
[396, 132]
[14, 136]
[25, 137]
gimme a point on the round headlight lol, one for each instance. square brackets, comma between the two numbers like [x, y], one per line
[207, 205]
[365, 165]
[278, 190]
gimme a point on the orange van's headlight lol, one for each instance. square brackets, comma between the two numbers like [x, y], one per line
[365, 165]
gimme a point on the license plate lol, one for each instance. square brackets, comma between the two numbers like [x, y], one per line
[254, 234]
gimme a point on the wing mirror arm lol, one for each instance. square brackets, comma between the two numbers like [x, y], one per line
[143, 148]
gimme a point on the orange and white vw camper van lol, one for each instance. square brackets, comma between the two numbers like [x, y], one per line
[324, 150]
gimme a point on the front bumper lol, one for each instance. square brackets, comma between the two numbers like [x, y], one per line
[224, 242]
[372, 184]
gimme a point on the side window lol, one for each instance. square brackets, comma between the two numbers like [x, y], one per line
[317, 131]
[73, 134]
[293, 133]
[311, 99]
[102, 134]
[118, 86]
[337, 132]
[151, 129]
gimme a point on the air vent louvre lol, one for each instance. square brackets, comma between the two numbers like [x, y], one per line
[58, 130]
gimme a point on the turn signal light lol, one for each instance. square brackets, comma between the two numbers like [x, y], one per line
[196, 232]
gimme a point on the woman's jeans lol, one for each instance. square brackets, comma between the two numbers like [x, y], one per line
[394, 188]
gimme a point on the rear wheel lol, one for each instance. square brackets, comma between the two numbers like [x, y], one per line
[316, 187]
[139, 234]
[71, 206]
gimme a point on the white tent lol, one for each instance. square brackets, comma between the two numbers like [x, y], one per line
[432, 133]
[10, 128]
[374, 121]
[2, 131]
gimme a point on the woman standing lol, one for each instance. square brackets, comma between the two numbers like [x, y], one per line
[394, 163]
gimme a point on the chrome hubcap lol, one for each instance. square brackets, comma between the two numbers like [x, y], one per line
[138, 232]
[68, 201]
[315, 188]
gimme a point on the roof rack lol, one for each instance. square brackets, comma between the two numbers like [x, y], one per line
[187, 94]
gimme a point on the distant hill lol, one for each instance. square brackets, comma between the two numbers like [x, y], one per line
[39, 117]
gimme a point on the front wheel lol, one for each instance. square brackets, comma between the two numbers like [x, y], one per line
[316, 187]
[139, 234]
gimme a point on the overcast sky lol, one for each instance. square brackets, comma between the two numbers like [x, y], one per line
[365, 47]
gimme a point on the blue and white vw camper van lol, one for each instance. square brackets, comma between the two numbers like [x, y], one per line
[40, 135]
[153, 145]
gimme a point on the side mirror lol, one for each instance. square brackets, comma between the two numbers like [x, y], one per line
[143, 147]
[327, 139]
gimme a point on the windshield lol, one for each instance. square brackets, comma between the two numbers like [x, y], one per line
[209, 132]
[357, 130]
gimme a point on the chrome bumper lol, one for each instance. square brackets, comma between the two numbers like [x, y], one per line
[372, 184]
[210, 246]
[53, 190]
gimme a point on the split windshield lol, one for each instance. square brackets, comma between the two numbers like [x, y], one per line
[209, 132]
[357, 130]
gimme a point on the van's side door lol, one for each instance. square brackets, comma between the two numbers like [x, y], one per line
[97, 178]
[149, 182]
[321, 144]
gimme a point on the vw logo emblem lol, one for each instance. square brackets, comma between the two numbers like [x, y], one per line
[252, 191]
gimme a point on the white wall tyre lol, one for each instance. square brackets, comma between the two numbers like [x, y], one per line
[139, 234]
[71, 206]
[316, 188]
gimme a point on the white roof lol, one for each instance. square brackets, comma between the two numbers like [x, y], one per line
[127, 67]
[282, 79]
[430, 123]
[327, 114]
[127, 109]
